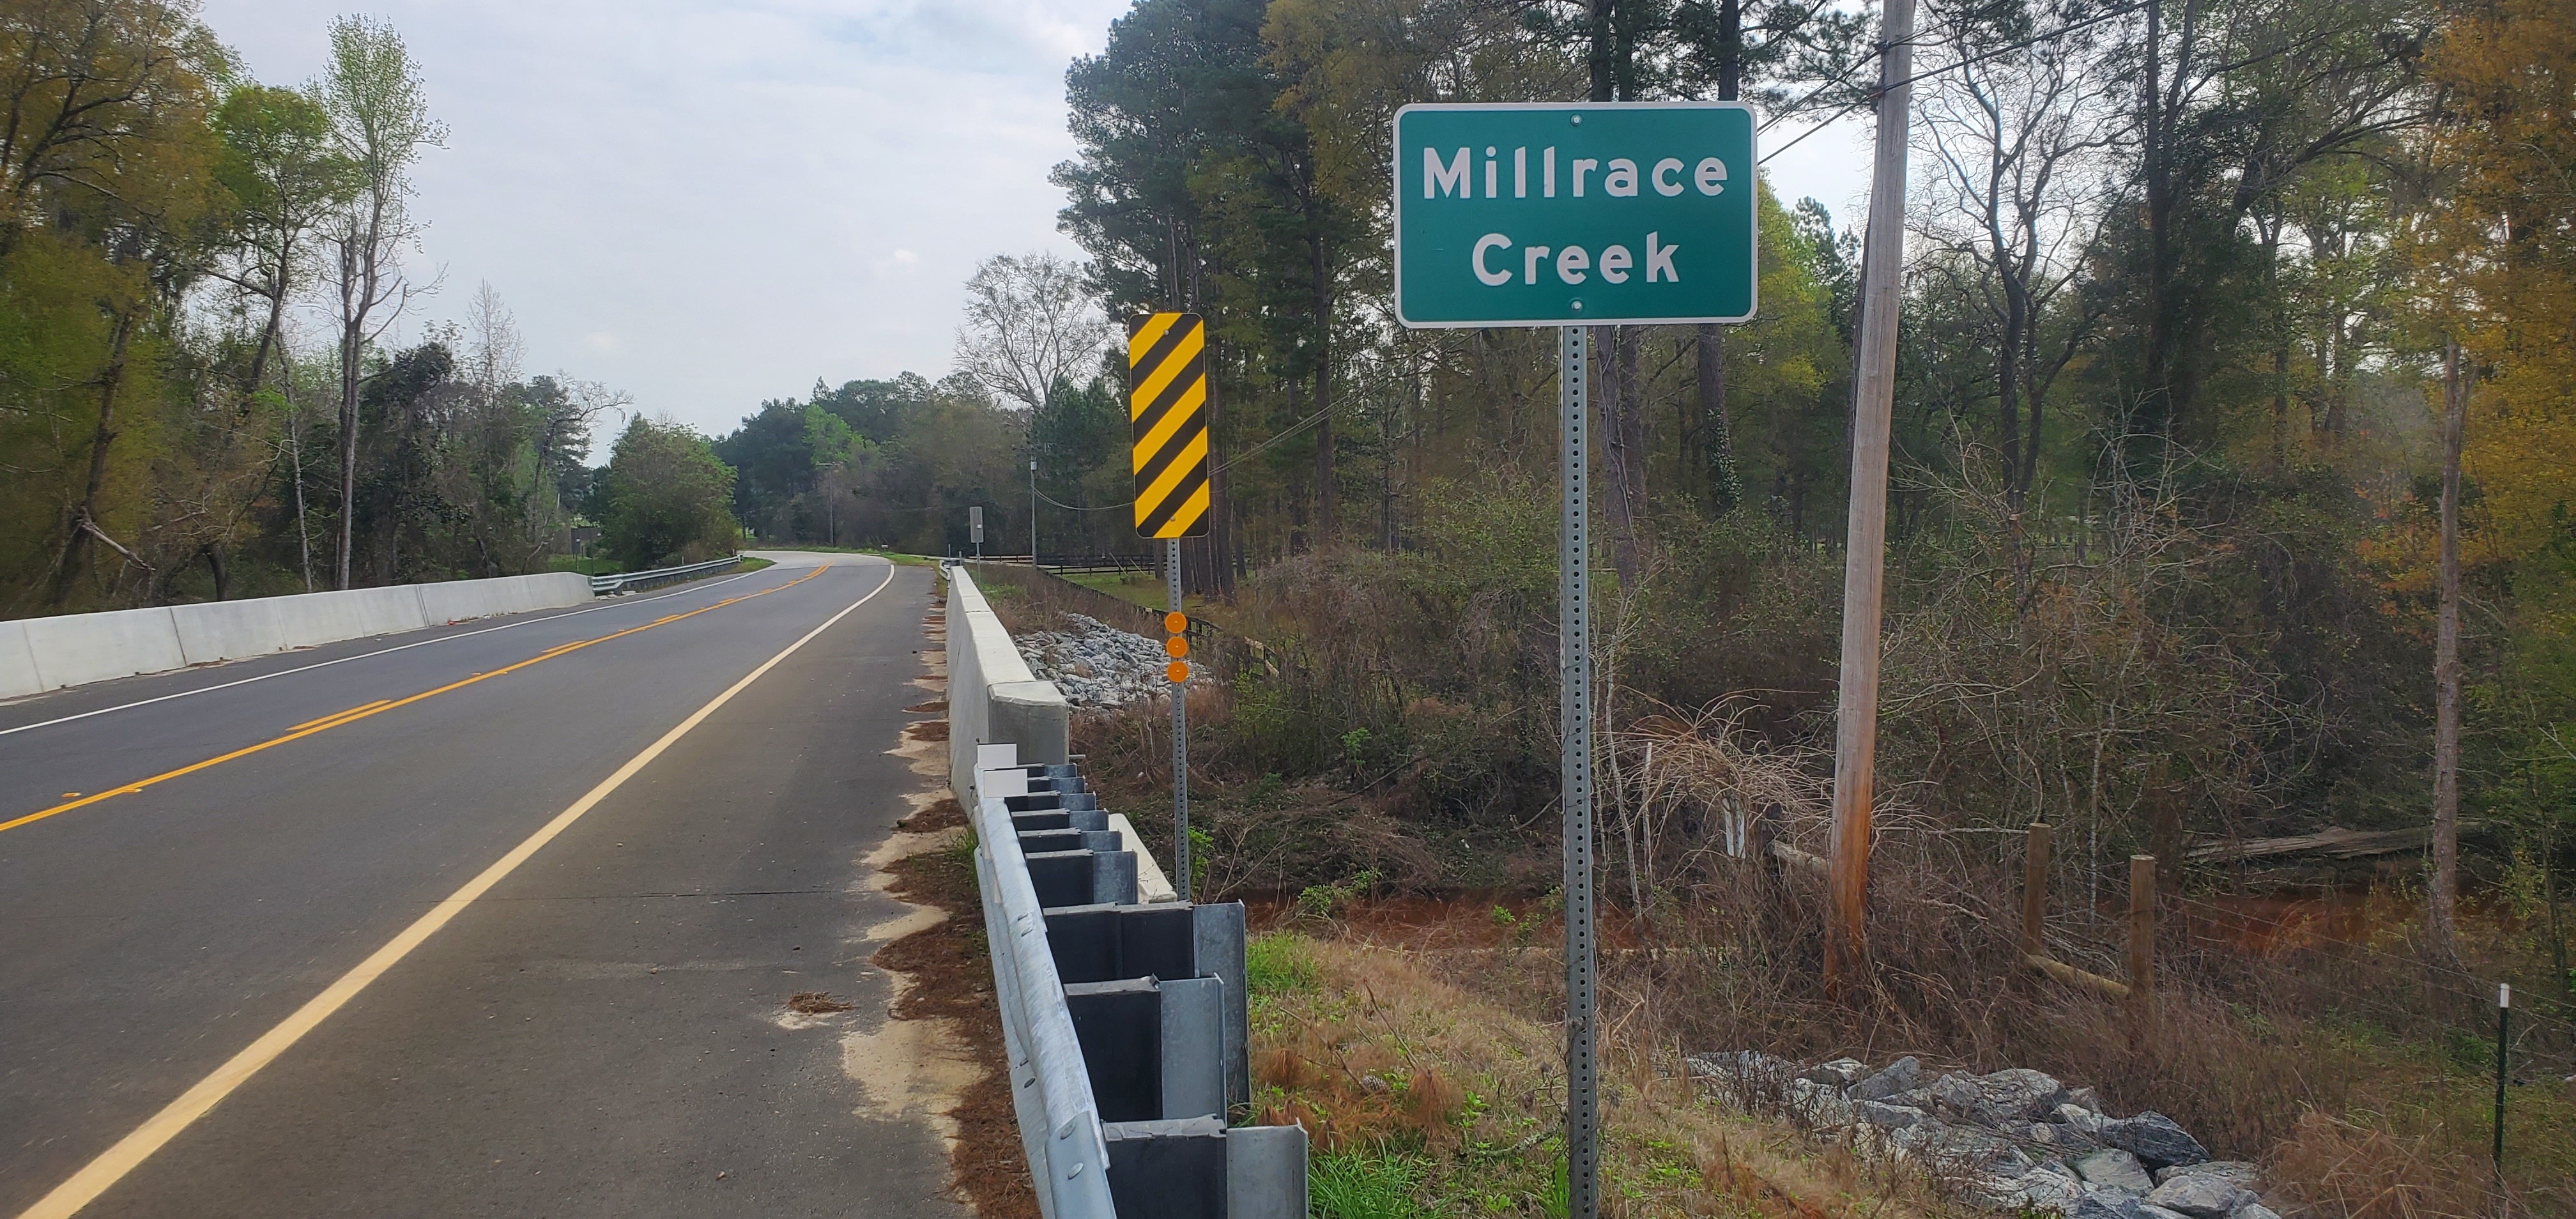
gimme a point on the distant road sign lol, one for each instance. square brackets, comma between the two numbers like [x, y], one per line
[975, 524]
[1167, 404]
[1575, 213]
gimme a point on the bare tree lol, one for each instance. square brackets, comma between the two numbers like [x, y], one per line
[380, 119]
[1029, 322]
[494, 349]
[2017, 187]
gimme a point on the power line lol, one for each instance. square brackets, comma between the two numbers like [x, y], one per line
[1981, 57]
[1079, 508]
[1299, 426]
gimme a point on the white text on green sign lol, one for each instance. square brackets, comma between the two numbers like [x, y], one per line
[1542, 215]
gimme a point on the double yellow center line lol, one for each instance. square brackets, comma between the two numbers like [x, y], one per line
[379, 707]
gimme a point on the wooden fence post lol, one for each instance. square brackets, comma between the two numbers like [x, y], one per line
[2034, 892]
[2142, 950]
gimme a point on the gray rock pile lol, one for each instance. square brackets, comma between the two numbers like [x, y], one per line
[1096, 664]
[2012, 1140]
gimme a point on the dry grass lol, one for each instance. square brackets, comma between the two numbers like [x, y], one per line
[2345, 1168]
[2357, 1077]
[1428, 1055]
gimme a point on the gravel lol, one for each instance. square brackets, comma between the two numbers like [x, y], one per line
[1096, 664]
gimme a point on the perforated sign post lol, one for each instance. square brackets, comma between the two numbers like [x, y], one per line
[1167, 406]
[1576, 215]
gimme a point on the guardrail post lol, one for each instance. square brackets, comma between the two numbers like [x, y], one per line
[2142, 950]
[2034, 891]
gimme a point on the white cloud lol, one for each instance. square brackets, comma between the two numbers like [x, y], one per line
[711, 203]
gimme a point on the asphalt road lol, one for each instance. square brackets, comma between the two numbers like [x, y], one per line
[599, 1031]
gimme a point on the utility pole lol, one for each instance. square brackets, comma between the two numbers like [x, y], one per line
[1033, 512]
[1864, 556]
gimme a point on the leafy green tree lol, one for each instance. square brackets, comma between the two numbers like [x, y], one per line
[666, 498]
[380, 118]
[287, 176]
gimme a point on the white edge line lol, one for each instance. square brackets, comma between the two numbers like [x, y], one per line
[693, 588]
[111, 1166]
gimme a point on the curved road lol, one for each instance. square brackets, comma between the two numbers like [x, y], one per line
[496, 918]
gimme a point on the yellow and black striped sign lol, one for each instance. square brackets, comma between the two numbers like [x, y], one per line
[1167, 403]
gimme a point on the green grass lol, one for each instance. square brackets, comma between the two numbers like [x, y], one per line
[752, 564]
[1277, 963]
[1138, 588]
[588, 565]
[1366, 1185]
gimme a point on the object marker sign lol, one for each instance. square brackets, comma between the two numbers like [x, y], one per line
[1167, 403]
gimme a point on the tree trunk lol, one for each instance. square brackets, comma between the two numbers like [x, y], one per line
[1715, 427]
[1325, 488]
[1717, 431]
[361, 272]
[278, 289]
[1602, 54]
[350, 341]
[1623, 437]
[295, 443]
[84, 519]
[2157, 215]
[2442, 894]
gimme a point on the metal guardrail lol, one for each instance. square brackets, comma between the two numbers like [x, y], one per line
[1124, 1023]
[1050, 1087]
[632, 580]
[1125, 1013]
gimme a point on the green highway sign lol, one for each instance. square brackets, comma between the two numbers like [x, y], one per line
[1572, 213]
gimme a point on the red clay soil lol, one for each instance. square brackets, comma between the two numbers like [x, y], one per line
[951, 979]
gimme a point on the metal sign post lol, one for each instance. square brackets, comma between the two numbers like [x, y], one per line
[1167, 406]
[2504, 1048]
[1574, 766]
[1576, 215]
[1179, 672]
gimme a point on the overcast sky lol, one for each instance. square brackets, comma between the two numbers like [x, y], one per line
[707, 203]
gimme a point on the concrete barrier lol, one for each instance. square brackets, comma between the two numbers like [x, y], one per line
[17, 662]
[519, 594]
[352, 614]
[229, 630]
[993, 699]
[78, 648]
[457, 601]
[39, 654]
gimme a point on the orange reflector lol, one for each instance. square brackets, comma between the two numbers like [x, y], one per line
[1177, 646]
[1178, 671]
[1175, 622]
